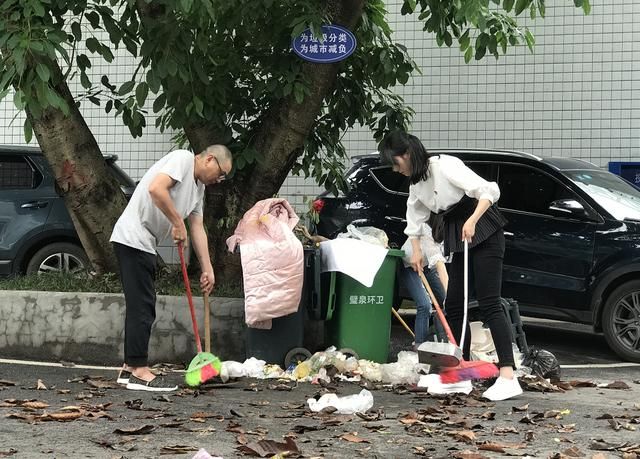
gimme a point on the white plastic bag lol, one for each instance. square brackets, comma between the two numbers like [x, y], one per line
[405, 371]
[203, 454]
[370, 370]
[231, 369]
[367, 234]
[357, 403]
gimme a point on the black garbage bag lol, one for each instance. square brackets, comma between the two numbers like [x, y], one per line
[542, 363]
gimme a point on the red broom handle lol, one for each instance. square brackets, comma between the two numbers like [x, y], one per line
[441, 316]
[189, 296]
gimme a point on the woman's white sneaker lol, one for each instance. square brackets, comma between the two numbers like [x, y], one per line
[503, 389]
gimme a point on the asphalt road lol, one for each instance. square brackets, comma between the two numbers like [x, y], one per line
[572, 344]
[111, 422]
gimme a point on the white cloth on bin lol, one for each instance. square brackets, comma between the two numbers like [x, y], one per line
[357, 259]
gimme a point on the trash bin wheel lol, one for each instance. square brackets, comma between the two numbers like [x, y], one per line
[348, 352]
[295, 356]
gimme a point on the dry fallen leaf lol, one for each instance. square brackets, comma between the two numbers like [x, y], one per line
[142, 430]
[615, 385]
[520, 408]
[9, 452]
[528, 420]
[419, 451]
[203, 415]
[116, 444]
[574, 451]
[468, 455]
[495, 447]
[178, 449]
[603, 445]
[99, 414]
[354, 438]
[466, 436]
[235, 428]
[410, 419]
[582, 383]
[21, 416]
[36, 405]
[566, 428]
[40, 385]
[269, 448]
[333, 421]
[302, 428]
[102, 384]
[6, 382]
[62, 416]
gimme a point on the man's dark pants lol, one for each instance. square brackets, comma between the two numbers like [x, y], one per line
[137, 273]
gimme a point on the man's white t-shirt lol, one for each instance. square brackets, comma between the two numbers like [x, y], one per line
[142, 224]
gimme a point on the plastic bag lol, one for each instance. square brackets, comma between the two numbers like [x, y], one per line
[367, 234]
[370, 370]
[357, 403]
[203, 454]
[404, 371]
[542, 363]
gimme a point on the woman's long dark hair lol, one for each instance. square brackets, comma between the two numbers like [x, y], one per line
[397, 143]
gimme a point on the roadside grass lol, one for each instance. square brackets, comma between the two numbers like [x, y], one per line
[168, 282]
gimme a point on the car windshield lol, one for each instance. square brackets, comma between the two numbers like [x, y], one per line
[614, 194]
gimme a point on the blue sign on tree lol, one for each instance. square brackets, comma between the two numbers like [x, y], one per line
[335, 44]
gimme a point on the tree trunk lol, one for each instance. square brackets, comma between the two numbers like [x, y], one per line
[92, 195]
[279, 140]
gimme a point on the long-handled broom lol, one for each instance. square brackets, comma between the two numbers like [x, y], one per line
[204, 365]
[465, 370]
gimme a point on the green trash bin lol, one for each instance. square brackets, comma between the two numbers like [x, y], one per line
[361, 320]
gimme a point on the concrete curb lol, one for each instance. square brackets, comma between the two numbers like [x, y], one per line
[89, 327]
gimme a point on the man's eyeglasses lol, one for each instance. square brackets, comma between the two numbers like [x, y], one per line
[223, 174]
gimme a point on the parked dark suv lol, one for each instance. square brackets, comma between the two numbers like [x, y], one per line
[572, 241]
[36, 232]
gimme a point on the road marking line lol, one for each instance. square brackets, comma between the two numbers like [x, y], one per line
[54, 364]
[602, 365]
[60, 365]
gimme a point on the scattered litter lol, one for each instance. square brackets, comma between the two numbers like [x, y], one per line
[203, 454]
[357, 403]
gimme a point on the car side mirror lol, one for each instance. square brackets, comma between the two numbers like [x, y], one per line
[567, 207]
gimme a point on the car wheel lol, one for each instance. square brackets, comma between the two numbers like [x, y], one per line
[58, 257]
[621, 321]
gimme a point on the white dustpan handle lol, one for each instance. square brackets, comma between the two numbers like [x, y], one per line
[466, 293]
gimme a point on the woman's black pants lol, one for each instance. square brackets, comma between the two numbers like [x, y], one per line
[485, 278]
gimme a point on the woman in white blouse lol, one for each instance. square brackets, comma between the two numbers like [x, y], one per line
[459, 205]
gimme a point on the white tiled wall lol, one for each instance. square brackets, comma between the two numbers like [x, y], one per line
[577, 95]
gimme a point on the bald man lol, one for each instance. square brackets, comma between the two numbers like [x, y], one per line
[170, 191]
